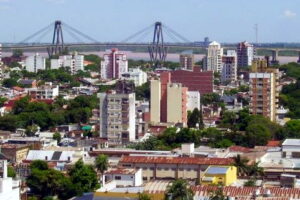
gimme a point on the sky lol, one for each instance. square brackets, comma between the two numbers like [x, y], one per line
[115, 20]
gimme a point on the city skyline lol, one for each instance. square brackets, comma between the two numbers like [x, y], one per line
[229, 21]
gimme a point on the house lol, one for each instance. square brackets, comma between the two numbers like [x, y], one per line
[219, 175]
[28, 83]
[15, 152]
[123, 177]
[171, 167]
[291, 148]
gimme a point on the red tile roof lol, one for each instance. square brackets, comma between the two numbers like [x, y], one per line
[273, 143]
[176, 160]
[125, 171]
[239, 149]
[248, 191]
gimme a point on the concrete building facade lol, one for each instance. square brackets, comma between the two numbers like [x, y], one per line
[138, 76]
[214, 57]
[229, 68]
[263, 90]
[176, 103]
[75, 62]
[35, 63]
[193, 100]
[114, 65]
[117, 117]
[245, 54]
[186, 59]
[168, 101]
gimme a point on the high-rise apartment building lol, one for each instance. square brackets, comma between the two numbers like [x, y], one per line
[186, 59]
[263, 89]
[214, 57]
[35, 63]
[117, 117]
[114, 65]
[229, 69]
[168, 102]
[245, 54]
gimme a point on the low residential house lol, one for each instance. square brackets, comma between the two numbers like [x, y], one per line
[28, 83]
[219, 175]
[58, 158]
[123, 177]
[47, 91]
[34, 142]
[16, 153]
[291, 148]
[170, 167]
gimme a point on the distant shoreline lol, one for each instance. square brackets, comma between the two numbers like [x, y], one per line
[145, 56]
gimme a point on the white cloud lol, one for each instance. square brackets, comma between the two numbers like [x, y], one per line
[289, 14]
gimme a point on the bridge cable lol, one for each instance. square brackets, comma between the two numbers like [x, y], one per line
[137, 33]
[177, 34]
[37, 33]
[80, 33]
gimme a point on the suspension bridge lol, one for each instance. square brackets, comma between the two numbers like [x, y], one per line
[157, 45]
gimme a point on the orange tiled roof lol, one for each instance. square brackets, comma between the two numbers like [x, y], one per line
[239, 149]
[273, 143]
[121, 171]
[176, 160]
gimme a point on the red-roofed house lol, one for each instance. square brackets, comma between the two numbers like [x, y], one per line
[159, 167]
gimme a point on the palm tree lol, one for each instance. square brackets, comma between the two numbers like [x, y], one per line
[179, 190]
[241, 164]
[255, 170]
[217, 194]
[101, 164]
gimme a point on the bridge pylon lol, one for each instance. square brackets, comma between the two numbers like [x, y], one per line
[275, 60]
[157, 49]
[57, 40]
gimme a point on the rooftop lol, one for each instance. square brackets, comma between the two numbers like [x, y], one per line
[291, 142]
[216, 170]
[176, 160]
[124, 171]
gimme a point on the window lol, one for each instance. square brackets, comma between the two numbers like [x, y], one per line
[117, 177]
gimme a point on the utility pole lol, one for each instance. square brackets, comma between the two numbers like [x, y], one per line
[256, 33]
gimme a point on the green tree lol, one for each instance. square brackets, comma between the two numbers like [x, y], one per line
[217, 194]
[290, 130]
[2, 101]
[20, 105]
[11, 172]
[255, 170]
[143, 92]
[250, 183]
[8, 122]
[17, 53]
[241, 164]
[101, 163]
[31, 130]
[257, 134]
[83, 177]
[57, 137]
[195, 118]
[9, 83]
[179, 190]
[144, 196]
